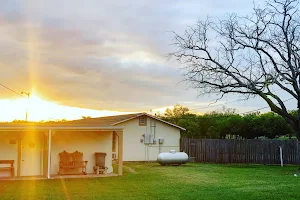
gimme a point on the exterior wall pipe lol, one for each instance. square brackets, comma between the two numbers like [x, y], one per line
[154, 129]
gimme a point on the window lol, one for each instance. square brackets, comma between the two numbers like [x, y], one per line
[143, 121]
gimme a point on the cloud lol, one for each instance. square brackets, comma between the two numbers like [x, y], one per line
[99, 54]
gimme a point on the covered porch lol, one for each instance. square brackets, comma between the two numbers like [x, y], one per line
[33, 151]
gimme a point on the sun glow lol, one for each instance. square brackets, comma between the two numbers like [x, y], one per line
[39, 109]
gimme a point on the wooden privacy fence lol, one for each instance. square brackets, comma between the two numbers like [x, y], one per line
[241, 151]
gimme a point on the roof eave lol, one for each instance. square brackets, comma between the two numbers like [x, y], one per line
[179, 127]
[62, 128]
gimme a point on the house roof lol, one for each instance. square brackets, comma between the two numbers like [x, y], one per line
[18, 127]
[110, 121]
[118, 119]
[102, 121]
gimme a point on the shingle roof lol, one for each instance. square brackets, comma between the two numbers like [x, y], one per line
[116, 120]
[99, 122]
[104, 121]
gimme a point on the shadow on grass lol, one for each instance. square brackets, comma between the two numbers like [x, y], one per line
[241, 165]
[254, 166]
[175, 166]
[195, 165]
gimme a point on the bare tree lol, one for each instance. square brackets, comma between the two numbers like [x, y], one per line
[254, 55]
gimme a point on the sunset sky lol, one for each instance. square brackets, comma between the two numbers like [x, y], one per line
[101, 56]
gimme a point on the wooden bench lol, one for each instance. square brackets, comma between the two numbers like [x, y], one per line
[10, 168]
[69, 162]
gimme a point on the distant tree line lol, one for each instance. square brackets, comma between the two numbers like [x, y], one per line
[228, 124]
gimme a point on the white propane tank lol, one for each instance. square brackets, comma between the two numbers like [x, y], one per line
[172, 158]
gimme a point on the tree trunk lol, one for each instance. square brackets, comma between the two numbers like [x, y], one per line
[298, 123]
[297, 132]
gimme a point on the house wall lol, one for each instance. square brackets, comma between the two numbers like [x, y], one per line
[134, 150]
[86, 142]
[8, 151]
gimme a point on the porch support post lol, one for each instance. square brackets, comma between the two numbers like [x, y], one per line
[19, 156]
[49, 154]
[120, 153]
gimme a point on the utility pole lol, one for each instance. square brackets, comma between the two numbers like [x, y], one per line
[28, 96]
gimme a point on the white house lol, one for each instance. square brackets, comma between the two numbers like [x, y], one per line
[145, 136]
[34, 149]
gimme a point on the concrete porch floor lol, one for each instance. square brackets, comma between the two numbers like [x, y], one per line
[55, 176]
[22, 178]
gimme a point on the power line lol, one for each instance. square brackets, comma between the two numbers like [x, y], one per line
[225, 103]
[215, 105]
[12, 90]
[223, 116]
[191, 109]
[263, 107]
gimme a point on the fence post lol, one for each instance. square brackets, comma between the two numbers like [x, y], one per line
[263, 152]
[229, 150]
[180, 144]
[297, 158]
[280, 152]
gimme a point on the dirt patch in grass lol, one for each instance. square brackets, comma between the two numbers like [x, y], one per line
[130, 169]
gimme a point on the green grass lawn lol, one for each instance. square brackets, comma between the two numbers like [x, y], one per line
[152, 181]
